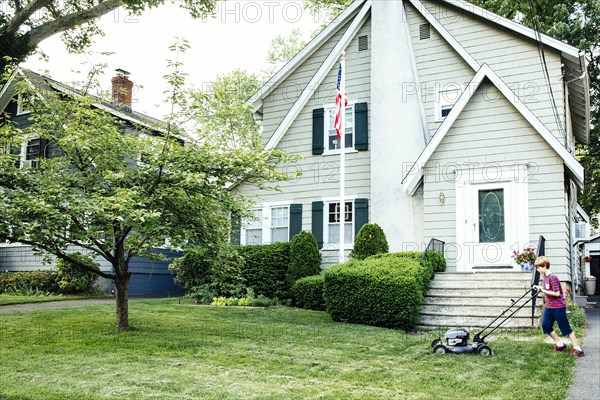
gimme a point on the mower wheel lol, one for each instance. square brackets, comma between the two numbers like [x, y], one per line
[484, 350]
[439, 349]
[435, 342]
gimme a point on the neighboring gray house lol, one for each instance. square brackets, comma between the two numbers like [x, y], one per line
[456, 130]
[148, 277]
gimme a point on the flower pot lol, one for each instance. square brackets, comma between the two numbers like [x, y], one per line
[590, 285]
[527, 266]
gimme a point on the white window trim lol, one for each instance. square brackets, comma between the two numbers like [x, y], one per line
[267, 236]
[20, 109]
[440, 100]
[334, 245]
[352, 149]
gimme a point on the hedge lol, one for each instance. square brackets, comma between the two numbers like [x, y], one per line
[382, 290]
[308, 293]
[265, 268]
[37, 281]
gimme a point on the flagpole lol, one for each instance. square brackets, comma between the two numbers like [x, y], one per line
[342, 158]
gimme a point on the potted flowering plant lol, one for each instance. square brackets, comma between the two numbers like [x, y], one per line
[587, 259]
[526, 258]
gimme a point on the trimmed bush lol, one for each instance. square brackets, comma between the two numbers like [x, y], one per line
[265, 268]
[305, 257]
[214, 270]
[73, 279]
[29, 282]
[437, 260]
[308, 293]
[193, 268]
[369, 240]
[385, 291]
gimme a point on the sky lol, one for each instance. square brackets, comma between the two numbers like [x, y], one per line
[237, 36]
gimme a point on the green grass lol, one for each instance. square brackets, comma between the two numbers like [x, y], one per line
[183, 351]
[7, 299]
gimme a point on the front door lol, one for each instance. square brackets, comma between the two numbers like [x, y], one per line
[491, 223]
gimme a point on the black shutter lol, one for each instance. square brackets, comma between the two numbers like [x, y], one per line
[295, 219]
[361, 208]
[318, 146]
[236, 227]
[361, 126]
[317, 222]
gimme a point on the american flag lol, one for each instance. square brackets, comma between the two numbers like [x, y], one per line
[341, 101]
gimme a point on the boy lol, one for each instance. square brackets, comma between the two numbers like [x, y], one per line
[556, 308]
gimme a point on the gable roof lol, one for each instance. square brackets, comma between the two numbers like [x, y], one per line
[46, 83]
[413, 177]
[575, 65]
[572, 58]
[340, 21]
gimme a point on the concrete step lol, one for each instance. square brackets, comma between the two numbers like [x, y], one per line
[466, 321]
[474, 276]
[479, 284]
[477, 310]
[482, 300]
[497, 291]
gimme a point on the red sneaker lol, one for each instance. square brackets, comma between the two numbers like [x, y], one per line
[562, 348]
[578, 353]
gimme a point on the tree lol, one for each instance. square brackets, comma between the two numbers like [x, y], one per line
[118, 195]
[222, 113]
[577, 23]
[25, 23]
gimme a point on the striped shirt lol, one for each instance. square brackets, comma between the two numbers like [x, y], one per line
[552, 283]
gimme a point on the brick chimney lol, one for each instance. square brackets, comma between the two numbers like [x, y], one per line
[122, 89]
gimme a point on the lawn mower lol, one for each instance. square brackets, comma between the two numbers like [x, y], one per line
[457, 339]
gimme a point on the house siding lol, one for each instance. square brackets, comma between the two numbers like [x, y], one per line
[490, 136]
[320, 173]
[513, 57]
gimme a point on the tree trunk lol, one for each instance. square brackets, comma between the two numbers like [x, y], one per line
[122, 292]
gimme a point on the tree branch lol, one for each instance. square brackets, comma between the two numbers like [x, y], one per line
[61, 24]
[60, 254]
[22, 14]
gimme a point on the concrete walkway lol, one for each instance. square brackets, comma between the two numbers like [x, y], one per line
[586, 383]
[53, 305]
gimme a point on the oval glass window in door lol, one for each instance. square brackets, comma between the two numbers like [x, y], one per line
[491, 216]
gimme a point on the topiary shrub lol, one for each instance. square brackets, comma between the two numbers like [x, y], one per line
[369, 241]
[308, 293]
[72, 278]
[265, 268]
[385, 290]
[305, 257]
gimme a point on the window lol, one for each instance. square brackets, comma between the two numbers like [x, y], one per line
[491, 215]
[445, 99]
[333, 143]
[333, 223]
[23, 103]
[424, 31]
[271, 223]
[363, 43]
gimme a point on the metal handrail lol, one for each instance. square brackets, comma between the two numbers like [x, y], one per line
[434, 245]
[535, 275]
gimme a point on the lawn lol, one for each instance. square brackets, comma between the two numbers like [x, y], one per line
[184, 351]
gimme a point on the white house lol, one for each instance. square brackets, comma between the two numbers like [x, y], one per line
[461, 126]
